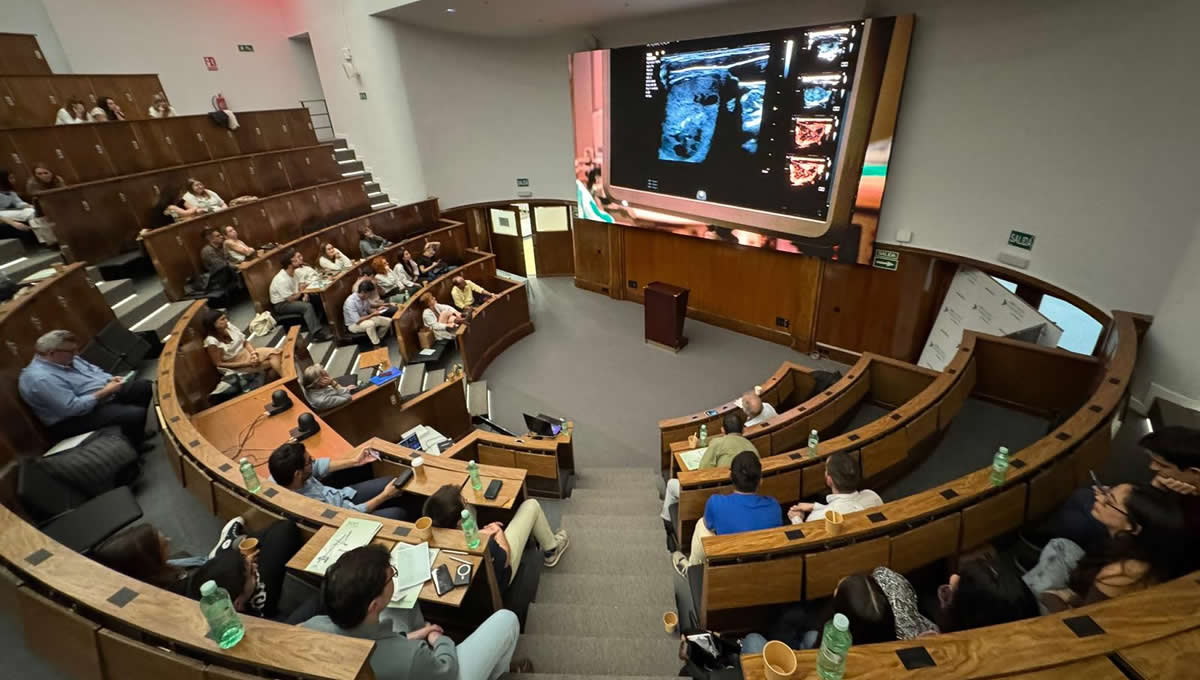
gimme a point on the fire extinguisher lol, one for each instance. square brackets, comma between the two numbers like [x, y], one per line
[219, 102]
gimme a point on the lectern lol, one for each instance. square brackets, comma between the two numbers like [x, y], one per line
[666, 307]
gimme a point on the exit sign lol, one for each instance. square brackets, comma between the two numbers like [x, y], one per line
[245, 48]
[1019, 239]
[886, 259]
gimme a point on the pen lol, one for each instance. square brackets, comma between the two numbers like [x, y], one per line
[456, 559]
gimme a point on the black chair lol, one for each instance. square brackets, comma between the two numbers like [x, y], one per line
[66, 515]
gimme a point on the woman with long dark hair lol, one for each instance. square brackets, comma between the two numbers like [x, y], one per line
[230, 351]
[110, 109]
[984, 592]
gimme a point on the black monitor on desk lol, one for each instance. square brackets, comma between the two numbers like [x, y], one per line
[542, 425]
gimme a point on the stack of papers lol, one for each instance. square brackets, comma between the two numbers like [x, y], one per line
[414, 566]
[354, 533]
[691, 459]
[429, 439]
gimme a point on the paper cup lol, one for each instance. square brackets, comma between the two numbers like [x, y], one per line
[249, 546]
[418, 467]
[779, 661]
[833, 522]
[670, 621]
[423, 530]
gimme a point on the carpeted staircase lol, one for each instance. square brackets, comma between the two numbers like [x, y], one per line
[599, 612]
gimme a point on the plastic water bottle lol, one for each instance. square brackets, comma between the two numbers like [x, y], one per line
[813, 440]
[224, 625]
[999, 466]
[704, 435]
[470, 530]
[835, 643]
[473, 473]
[251, 477]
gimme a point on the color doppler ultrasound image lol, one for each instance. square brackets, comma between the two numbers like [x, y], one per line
[804, 172]
[810, 132]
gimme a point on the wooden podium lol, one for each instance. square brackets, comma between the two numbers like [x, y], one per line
[666, 308]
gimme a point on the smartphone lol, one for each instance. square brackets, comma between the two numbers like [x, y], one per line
[1095, 480]
[442, 582]
[374, 453]
[711, 412]
[493, 489]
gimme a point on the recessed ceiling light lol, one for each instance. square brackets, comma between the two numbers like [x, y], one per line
[451, 10]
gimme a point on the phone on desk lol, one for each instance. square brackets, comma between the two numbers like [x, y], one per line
[711, 412]
[402, 478]
[442, 583]
[493, 489]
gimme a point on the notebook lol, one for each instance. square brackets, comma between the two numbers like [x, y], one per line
[691, 459]
[354, 533]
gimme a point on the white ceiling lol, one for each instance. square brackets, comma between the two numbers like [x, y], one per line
[523, 18]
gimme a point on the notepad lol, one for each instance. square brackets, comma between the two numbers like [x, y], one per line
[406, 598]
[427, 352]
[386, 377]
[691, 459]
[412, 564]
[354, 533]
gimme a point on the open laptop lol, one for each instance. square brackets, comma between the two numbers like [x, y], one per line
[541, 425]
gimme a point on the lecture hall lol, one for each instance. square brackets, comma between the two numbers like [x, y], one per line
[543, 340]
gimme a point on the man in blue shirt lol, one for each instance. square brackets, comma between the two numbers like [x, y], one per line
[363, 315]
[72, 396]
[292, 467]
[742, 510]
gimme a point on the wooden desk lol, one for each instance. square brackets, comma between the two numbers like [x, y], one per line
[376, 357]
[441, 538]
[440, 470]
[1174, 657]
[225, 425]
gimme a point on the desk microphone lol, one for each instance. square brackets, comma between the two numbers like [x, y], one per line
[280, 402]
[306, 426]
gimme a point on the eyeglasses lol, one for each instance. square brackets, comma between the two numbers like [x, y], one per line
[1106, 495]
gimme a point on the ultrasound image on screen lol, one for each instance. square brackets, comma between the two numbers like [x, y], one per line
[706, 87]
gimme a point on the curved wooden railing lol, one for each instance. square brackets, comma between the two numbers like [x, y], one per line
[494, 325]
[406, 323]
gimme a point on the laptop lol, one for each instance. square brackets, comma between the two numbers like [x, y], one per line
[539, 425]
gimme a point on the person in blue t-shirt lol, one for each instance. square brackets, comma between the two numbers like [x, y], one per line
[742, 510]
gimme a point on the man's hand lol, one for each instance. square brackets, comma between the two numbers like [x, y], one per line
[424, 631]
[799, 510]
[364, 457]
[110, 387]
[1171, 484]
[693, 441]
[491, 529]
[434, 636]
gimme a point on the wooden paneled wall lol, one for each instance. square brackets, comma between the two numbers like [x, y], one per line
[34, 100]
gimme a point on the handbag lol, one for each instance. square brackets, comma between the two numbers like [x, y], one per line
[425, 338]
[708, 656]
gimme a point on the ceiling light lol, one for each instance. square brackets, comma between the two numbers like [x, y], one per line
[451, 10]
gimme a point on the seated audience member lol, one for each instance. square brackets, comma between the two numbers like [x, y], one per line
[463, 293]
[733, 513]
[391, 283]
[984, 592]
[200, 196]
[322, 390]
[1173, 455]
[363, 315]
[721, 451]
[431, 265]
[443, 320]
[109, 108]
[842, 476]
[97, 115]
[74, 113]
[287, 296]
[307, 276]
[333, 260]
[292, 467]
[160, 107]
[368, 243]
[15, 213]
[357, 591]
[412, 270]
[1144, 527]
[178, 211]
[213, 253]
[880, 604]
[43, 179]
[230, 351]
[72, 396]
[757, 411]
[254, 585]
[235, 248]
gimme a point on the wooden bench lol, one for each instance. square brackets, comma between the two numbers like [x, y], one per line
[96, 220]
[34, 100]
[476, 264]
[494, 325]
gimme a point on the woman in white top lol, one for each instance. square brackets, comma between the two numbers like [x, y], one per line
[231, 352]
[73, 113]
[235, 248]
[160, 107]
[200, 196]
[391, 284]
[110, 108]
[333, 260]
[443, 320]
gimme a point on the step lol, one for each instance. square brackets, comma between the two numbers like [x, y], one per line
[342, 359]
[340, 143]
[344, 154]
[601, 655]
[630, 505]
[433, 378]
[355, 165]
[115, 291]
[161, 320]
[609, 621]
[320, 351]
[270, 339]
[352, 174]
[594, 528]
[376, 207]
[650, 586]
[372, 187]
[28, 263]
[612, 554]
[602, 478]
[130, 310]
[412, 381]
[93, 273]
[11, 249]
[479, 403]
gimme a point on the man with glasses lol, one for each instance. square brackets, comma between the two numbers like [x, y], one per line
[72, 396]
[292, 467]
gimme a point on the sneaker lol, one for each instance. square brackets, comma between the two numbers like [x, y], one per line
[231, 534]
[680, 562]
[560, 546]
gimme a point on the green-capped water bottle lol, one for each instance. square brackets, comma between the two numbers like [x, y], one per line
[703, 435]
[1000, 466]
[470, 530]
[813, 440]
[835, 643]
[473, 473]
[224, 625]
[248, 474]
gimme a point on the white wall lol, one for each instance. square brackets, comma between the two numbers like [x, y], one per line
[171, 39]
[1168, 357]
[29, 16]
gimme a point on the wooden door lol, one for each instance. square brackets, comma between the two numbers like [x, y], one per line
[504, 225]
[553, 243]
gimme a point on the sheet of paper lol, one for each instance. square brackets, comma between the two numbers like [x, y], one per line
[407, 598]
[68, 443]
[426, 352]
[411, 563]
[691, 459]
[354, 533]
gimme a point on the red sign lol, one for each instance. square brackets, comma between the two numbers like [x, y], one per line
[210, 63]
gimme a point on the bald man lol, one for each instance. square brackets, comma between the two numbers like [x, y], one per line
[757, 411]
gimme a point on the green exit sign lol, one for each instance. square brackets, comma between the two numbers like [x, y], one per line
[886, 259]
[1019, 239]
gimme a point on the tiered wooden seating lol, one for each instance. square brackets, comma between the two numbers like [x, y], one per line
[34, 100]
[407, 321]
[20, 55]
[494, 325]
[95, 220]
[950, 518]
[91, 151]
[66, 300]
[548, 461]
